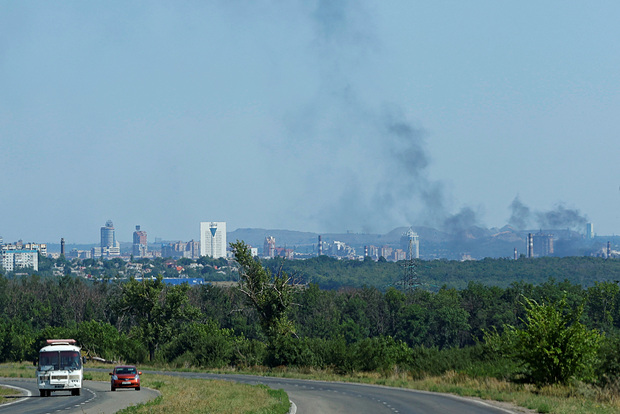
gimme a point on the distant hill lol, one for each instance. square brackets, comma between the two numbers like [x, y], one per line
[256, 237]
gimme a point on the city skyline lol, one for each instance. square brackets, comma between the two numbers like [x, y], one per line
[321, 116]
[206, 229]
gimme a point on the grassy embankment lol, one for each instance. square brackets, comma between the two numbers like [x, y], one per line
[184, 395]
[556, 399]
[181, 395]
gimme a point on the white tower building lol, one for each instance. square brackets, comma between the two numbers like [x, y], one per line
[213, 239]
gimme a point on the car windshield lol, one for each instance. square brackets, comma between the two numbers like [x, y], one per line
[63, 360]
[126, 370]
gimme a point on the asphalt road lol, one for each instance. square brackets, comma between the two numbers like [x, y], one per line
[96, 398]
[321, 397]
[308, 397]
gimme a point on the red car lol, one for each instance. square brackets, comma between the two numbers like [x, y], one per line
[125, 376]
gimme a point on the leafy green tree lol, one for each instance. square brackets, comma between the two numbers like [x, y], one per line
[318, 313]
[156, 309]
[447, 321]
[201, 345]
[99, 339]
[269, 294]
[554, 346]
[381, 353]
[602, 306]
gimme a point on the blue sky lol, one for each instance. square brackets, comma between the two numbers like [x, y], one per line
[324, 115]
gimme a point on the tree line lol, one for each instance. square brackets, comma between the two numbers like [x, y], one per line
[331, 273]
[266, 320]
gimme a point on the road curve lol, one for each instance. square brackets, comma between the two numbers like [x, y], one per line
[324, 397]
[96, 398]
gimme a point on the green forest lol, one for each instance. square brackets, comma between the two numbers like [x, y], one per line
[506, 317]
[331, 273]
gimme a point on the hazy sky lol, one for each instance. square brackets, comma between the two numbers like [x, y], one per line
[324, 115]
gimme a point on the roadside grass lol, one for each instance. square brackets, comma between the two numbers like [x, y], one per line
[182, 395]
[576, 398]
[5, 392]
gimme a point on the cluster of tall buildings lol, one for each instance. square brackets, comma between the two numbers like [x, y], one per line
[409, 248]
[189, 250]
[213, 243]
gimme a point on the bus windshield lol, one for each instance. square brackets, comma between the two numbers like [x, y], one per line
[59, 360]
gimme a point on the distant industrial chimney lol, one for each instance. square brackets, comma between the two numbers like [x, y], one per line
[608, 250]
[530, 245]
[320, 246]
[516, 257]
[62, 245]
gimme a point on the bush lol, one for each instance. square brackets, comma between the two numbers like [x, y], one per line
[554, 346]
[199, 344]
[382, 353]
[248, 353]
[608, 369]
[291, 351]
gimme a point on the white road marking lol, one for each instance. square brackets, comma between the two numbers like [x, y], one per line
[28, 394]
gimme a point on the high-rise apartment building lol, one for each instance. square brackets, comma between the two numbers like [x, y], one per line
[13, 259]
[410, 243]
[213, 239]
[139, 243]
[108, 237]
[109, 246]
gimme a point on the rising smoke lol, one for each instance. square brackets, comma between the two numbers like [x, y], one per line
[560, 217]
[457, 223]
[377, 154]
[385, 174]
[520, 216]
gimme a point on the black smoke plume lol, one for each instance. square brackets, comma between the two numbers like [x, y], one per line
[520, 214]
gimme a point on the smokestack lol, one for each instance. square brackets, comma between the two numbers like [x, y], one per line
[608, 250]
[320, 246]
[365, 251]
[516, 257]
[530, 245]
[62, 245]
